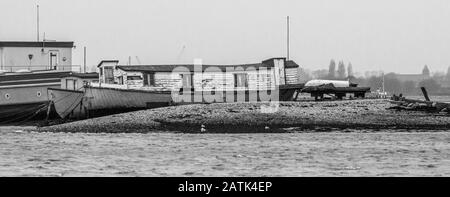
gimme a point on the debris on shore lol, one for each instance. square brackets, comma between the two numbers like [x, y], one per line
[427, 105]
[248, 118]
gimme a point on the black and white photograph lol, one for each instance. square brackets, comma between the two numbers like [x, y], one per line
[225, 88]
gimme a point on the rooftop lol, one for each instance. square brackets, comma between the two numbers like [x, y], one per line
[171, 67]
[36, 44]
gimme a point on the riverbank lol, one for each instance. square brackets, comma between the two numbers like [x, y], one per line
[247, 117]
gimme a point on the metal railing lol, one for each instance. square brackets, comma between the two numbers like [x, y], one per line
[74, 68]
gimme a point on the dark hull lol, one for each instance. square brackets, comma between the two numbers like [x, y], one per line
[24, 95]
[24, 112]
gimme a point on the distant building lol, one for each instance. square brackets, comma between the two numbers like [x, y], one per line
[411, 77]
[444, 83]
[33, 56]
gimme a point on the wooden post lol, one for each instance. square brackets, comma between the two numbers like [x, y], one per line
[425, 93]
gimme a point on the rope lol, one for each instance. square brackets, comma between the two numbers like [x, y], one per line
[36, 113]
[25, 114]
[73, 104]
[70, 94]
[29, 114]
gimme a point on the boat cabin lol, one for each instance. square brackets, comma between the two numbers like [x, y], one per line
[35, 56]
[257, 76]
[76, 81]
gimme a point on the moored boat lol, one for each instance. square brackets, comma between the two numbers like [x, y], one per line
[27, 69]
[23, 96]
[98, 101]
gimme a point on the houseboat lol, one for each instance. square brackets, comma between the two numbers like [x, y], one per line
[146, 86]
[27, 69]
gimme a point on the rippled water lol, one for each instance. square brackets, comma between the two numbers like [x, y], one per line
[170, 154]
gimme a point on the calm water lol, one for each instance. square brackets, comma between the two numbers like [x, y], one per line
[170, 154]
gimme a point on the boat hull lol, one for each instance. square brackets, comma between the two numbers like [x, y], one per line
[96, 101]
[24, 96]
[23, 111]
[100, 101]
[67, 102]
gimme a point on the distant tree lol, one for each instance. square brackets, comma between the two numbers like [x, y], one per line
[369, 74]
[350, 70]
[332, 70]
[392, 84]
[430, 84]
[320, 74]
[374, 82]
[341, 70]
[361, 81]
[409, 87]
[390, 75]
[303, 75]
[448, 74]
[426, 71]
[439, 76]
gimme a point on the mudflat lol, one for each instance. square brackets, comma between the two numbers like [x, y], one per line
[260, 118]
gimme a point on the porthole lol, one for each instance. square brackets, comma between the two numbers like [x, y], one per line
[7, 96]
[38, 94]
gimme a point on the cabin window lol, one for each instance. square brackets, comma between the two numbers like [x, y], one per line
[109, 75]
[69, 84]
[187, 80]
[241, 80]
[120, 80]
[149, 79]
[132, 78]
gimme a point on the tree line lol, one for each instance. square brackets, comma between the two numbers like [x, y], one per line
[374, 79]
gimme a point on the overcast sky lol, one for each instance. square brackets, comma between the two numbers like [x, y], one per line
[394, 35]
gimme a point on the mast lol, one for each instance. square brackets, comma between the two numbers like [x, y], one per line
[84, 59]
[37, 24]
[288, 42]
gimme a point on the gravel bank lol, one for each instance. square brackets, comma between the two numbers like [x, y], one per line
[247, 117]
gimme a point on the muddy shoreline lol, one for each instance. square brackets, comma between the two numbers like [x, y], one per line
[248, 118]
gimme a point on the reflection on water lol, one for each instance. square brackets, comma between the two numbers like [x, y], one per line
[170, 154]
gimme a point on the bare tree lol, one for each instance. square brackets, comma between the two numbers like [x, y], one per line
[350, 70]
[332, 70]
[448, 74]
[341, 70]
